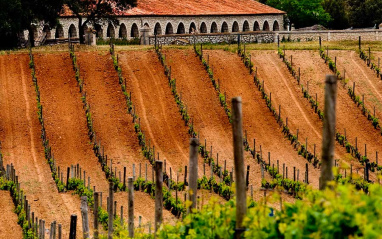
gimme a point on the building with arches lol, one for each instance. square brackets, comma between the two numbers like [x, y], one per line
[167, 17]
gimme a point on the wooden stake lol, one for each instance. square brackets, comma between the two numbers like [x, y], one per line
[158, 194]
[130, 208]
[193, 164]
[96, 205]
[329, 130]
[73, 226]
[110, 212]
[237, 131]
[85, 218]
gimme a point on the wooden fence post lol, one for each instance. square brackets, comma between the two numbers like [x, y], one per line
[73, 226]
[329, 131]
[130, 209]
[110, 212]
[96, 205]
[158, 194]
[59, 231]
[241, 200]
[193, 164]
[85, 218]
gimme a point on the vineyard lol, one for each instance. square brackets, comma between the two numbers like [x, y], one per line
[97, 142]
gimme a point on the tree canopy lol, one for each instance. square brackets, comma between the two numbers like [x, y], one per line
[334, 14]
[94, 11]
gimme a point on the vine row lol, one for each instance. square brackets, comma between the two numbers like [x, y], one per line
[356, 99]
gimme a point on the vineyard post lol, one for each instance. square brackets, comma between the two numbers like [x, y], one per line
[96, 205]
[278, 41]
[254, 149]
[278, 171]
[294, 173]
[359, 42]
[299, 75]
[376, 157]
[158, 194]
[298, 174]
[73, 226]
[329, 131]
[110, 212]
[225, 165]
[344, 74]
[185, 174]
[67, 178]
[85, 218]
[283, 170]
[307, 174]
[59, 231]
[369, 61]
[124, 178]
[286, 172]
[379, 62]
[237, 128]
[193, 184]
[319, 39]
[130, 209]
[121, 216]
[247, 178]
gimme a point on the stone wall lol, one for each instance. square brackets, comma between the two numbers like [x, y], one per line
[260, 37]
[129, 27]
[367, 35]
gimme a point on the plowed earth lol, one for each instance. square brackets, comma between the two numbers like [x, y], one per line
[258, 121]
[204, 107]
[113, 125]
[20, 133]
[366, 81]
[287, 93]
[156, 107]
[349, 116]
[8, 220]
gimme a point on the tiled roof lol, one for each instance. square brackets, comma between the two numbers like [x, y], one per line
[195, 7]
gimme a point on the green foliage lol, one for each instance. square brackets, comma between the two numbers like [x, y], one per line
[80, 189]
[337, 10]
[302, 12]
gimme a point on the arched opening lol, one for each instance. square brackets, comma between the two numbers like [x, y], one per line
[192, 28]
[122, 31]
[276, 26]
[146, 24]
[169, 29]
[158, 29]
[256, 26]
[134, 31]
[245, 26]
[110, 31]
[224, 27]
[203, 28]
[235, 27]
[99, 31]
[214, 27]
[59, 32]
[47, 32]
[266, 26]
[181, 29]
[72, 31]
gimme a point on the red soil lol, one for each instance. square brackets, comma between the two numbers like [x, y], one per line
[349, 116]
[204, 107]
[257, 119]
[288, 94]
[367, 82]
[155, 105]
[20, 133]
[112, 123]
[8, 220]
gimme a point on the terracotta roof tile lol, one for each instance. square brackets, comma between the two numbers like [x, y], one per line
[195, 7]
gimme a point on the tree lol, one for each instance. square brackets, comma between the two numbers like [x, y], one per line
[302, 13]
[19, 15]
[338, 10]
[95, 10]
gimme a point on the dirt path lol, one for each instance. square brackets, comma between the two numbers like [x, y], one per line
[112, 123]
[257, 119]
[287, 93]
[8, 219]
[21, 145]
[366, 80]
[349, 117]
